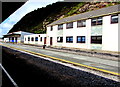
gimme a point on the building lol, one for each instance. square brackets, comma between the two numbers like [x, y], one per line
[38, 39]
[1, 39]
[96, 29]
[16, 37]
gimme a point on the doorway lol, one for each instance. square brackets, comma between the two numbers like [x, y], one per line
[51, 38]
[44, 40]
[16, 39]
[12, 39]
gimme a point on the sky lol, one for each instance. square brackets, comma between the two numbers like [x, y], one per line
[29, 6]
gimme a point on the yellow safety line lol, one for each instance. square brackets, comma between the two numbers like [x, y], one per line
[66, 61]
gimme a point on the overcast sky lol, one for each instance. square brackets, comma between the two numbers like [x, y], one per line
[29, 6]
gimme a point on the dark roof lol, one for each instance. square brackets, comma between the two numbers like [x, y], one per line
[90, 14]
[7, 35]
[11, 34]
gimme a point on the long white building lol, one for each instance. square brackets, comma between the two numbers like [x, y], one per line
[96, 29]
[38, 39]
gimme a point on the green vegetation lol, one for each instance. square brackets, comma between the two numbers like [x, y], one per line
[36, 21]
[75, 9]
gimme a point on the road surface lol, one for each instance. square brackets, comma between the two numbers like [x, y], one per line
[111, 66]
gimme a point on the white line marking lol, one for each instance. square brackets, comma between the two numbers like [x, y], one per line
[9, 76]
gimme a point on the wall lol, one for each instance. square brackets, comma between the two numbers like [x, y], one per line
[6, 39]
[108, 31]
[75, 32]
[82, 31]
[35, 42]
[52, 34]
[110, 35]
[22, 35]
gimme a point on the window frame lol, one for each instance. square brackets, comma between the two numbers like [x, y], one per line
[69, 39]
[41, 39]
[113, 22]
[61, 39]
[82, 23]
[59, 27]
[25, 38]
[96, 21]
[32, 38]
[95, 41]
[28, 38]
[36, 39]
[81, 37]
[67, 25]
[51, 28]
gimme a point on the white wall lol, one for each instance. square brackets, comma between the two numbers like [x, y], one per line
[119, 34]
[52, 34]
[110, 35]
[23, 34]
[6, 39]
[108, 31]
[35, 42]
[82, 31]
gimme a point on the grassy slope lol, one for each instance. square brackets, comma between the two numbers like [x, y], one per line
[37, 20]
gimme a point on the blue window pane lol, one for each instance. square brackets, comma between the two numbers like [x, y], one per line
[83, 38]
[67, 39]
[78, 39]
[71, 39]
[36, 39]
[12, 40]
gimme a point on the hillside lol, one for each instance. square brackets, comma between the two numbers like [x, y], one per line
[36, 21]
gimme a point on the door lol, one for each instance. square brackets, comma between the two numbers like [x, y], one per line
[51, 40]
[13, 39]
[44, 40]
[9, 39]
[16, 39]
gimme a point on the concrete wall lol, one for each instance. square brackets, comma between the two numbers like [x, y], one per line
[6, 39]
[108, 31]
[83, 31]
[110, 35]
[23, 34]
[52, 34]
[39, 42]
[75, 32]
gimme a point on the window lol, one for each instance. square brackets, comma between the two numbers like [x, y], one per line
[69, 39]
[114, 18]
[25, 39]
[69, 25]
[96, 21]
[28, 38]
[36, 38]
[81, 23]
[81, 39]
[96, 39]
[51, 28]
[9, 39]
[59, 39]
[60, 26]
[32, 39]
[40, 38]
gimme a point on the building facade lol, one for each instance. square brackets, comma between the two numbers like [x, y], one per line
[16, 37]
[38, 39]
[90, 30]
